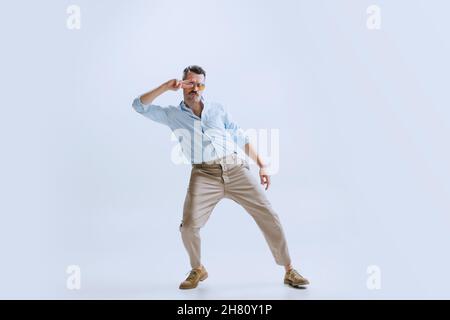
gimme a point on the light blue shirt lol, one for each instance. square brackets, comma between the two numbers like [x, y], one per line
[211, 136]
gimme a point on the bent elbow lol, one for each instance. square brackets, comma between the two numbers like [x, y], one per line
[137, 105]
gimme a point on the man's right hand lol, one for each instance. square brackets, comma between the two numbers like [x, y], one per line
[173, 84]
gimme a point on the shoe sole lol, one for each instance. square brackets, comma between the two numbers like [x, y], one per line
[201, 279]
[290, 283]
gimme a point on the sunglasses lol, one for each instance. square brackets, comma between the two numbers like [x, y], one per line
[190, 84]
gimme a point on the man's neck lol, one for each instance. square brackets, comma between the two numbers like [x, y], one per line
[196, 107]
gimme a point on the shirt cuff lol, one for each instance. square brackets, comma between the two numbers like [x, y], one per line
[139, 106]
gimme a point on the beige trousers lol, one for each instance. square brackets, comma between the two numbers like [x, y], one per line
[228, 177]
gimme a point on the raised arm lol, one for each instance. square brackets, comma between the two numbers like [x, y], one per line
[147, 98]
[144, 103]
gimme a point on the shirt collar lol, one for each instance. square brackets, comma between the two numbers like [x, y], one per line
[184, 107]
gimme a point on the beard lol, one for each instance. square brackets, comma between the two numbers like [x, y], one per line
[193, 96]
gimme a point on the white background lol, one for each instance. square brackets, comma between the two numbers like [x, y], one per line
[364, 162]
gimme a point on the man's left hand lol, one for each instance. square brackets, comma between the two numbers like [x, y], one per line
[265, 178]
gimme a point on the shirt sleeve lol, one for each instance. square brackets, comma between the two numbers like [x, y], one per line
[238, 134]
[151, 111]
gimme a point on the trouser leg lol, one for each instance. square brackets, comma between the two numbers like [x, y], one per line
[204, 192]
[244, 189]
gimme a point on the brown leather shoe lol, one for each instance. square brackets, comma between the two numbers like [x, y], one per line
[194, 277]
[295, 279]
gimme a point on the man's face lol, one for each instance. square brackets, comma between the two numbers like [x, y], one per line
[191, 90]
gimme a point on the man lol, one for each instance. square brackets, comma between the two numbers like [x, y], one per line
[208, 138]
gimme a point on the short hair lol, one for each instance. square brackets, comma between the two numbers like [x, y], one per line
[195, 69]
